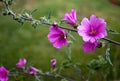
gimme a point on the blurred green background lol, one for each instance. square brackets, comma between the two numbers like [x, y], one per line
[24, 41]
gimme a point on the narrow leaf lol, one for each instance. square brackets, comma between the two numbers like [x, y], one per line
[33, 11]
[63, 80]
[112, 31]
[63, 21]
[108, 55]
[49, 15]
[37, 78]
[71, 36]
[77, 69]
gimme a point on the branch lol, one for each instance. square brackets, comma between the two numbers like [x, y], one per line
[43, 74]
[111, 41]
[56, 76]
[43, 21]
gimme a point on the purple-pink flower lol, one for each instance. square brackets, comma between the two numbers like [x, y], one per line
[3, 74]
[93, 29]
[71, 17]
[32, 70]
[57, 36]
[53, 63]
[88, 46]
[21, 63]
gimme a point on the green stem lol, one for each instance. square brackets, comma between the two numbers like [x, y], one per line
[69, 52]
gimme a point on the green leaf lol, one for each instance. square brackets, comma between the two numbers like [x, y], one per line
[33, 11]
[26, 15]
[112, 31]
[108, 55]
[97, 64]
[63, 80]
[49, 15]
[44, 20]
[77, 69]
[63, 21]
[68, 52]
[10, 2]
[38, 78]
[71, 36]
[35, 23]
[66, 64]
[18, 77]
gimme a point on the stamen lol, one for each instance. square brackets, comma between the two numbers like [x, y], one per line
[92, 32]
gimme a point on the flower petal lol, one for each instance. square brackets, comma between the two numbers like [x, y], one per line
[85, 22]
[88, 46]
[93, 29]
[57, 37]
[71, 17]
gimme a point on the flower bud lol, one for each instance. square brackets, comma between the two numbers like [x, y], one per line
[53, 63]
[21, 63]
[32, 70]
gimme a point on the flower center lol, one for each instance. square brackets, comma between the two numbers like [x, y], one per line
[61, 35]
[92, 32]
[4, 74]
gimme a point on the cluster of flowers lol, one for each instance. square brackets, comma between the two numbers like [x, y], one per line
[21, 64]
[91, 30]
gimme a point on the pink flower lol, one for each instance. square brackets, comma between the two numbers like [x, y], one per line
[53, 63]
[21, 63]
[92, 29]
[3, 74]
[57, 36]
[71, 17]
[32, 70]
[88, 46]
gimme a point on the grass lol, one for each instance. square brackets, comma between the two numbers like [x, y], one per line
[23, 41]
